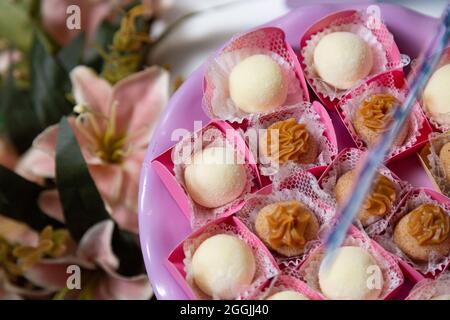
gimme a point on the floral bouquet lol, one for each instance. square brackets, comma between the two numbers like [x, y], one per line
[78, 102]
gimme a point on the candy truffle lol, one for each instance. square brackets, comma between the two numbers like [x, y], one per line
[436, 96]
[444, 156]
[289, 140]
[347, 277]
[287, 295]
[342, 59]
[372, 118]
[214, 178]
[257, 84]
[286, 227]
[379, 202]
[441, 297]
[222, 265]
[423, 232]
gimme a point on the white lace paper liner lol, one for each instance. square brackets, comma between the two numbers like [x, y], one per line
[308, 194]
[211, 137]
[303, 114]
[437, 141]
[264, 267]
[285, 283]
[218, 71]
[348, 161]
[436, 263]
[350, 106]
[392, 276]
[430, 288]
[380, 62]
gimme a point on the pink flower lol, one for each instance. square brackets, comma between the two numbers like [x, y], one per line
[92, 13]
[98, 276]
[8, 155]
[113, 129]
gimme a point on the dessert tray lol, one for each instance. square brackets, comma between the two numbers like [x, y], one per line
[166, 215]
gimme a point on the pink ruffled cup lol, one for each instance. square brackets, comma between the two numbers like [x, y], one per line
[170, 168]
[281, 283]
[179, 261]
[347, 160]
[305, 190]
[318, 124]
[428, 289]
[414, 271]
[369, 27]
[392, 275]
[393, 83]
[270, 41]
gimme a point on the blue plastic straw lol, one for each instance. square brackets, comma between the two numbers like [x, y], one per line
[369, 166]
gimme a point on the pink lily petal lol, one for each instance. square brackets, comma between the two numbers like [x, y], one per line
[50, 203]
[8, 155]
[95, 245]
[50, 275]
[116, 287]
[36, 164]
[140, 98]
[108, 179]
[90, 90]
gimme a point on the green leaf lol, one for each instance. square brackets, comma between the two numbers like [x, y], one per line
[15, 25]
[103, 37]
[82, 203]
[18, 201]
[17, 115]
[71, 55]
[49, 85]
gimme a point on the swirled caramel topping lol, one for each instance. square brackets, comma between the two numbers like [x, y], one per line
[428, 224]
[381, 199]
[287, 224]
[375, 110]
[292, 140]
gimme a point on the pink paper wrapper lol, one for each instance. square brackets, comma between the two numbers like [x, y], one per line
[179, 261]
[437, 141]
[393, 83]
[306, 191]
[392, 274]
[428, 289]
[412, 200]
[369, 27]
[318, 124]
[282, 283]
[441, 126]
[170, 168]
[269, 41]
[348, 160]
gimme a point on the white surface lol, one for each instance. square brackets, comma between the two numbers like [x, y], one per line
[197, 37]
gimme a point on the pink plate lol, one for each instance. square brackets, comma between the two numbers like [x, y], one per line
[162, 224]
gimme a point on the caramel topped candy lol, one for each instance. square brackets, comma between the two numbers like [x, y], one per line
[428, 224]
[444, 156]
[288, 223]
[382, 197]
[288, 140]
[424, 233]
[376, 110]
[373, 116]
[286, 227]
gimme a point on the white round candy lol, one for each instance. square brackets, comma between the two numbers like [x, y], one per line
[257, 84]
[222, 265]
[287, 295]
[342, 58]
[347, 277]
[436, 96]
[214, 178]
